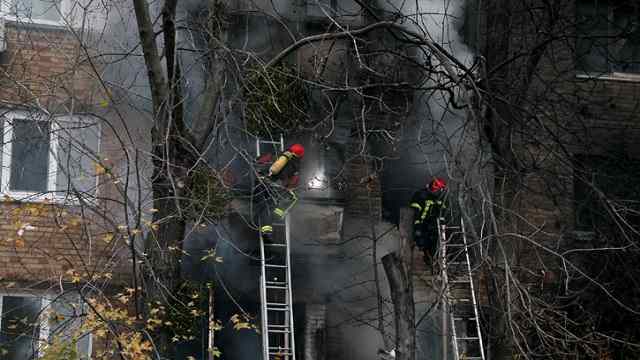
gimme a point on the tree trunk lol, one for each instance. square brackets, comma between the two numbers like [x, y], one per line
[398, 268]
[403, 307]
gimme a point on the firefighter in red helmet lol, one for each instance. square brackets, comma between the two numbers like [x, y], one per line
[275, 193]
[428, 204]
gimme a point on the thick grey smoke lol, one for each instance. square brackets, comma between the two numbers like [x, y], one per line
[431, 141]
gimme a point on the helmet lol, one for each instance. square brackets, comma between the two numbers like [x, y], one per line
[297, 149]
[437, 185]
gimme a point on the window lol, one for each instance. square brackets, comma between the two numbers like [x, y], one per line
[48, 157]
[35, 10]
[29, 321]
[608, 36]
[21, 330]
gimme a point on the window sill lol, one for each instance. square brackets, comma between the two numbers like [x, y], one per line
[33, 197]
[36, 23]
[614, 76]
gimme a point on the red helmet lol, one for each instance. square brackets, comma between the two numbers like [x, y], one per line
[297, 149]
[437, 185]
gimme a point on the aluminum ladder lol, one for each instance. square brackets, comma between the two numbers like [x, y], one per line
[275, 285]
[466, 336]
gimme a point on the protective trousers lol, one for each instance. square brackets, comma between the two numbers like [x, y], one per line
[426, 237]
[273, 202]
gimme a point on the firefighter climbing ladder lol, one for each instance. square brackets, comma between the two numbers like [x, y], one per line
[466, 337]
[275, 286]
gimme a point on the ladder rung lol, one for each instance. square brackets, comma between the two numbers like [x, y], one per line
[278, 326]
[463, 319]
[468, 338]
[455, 245]
[276, 287]
[459, 281]
[279, 331]
[289, 354]
[281, 245]
[268, 142]
[277, 309]
[276, 283]
[279, 348]
[275, 266]
[277, 304]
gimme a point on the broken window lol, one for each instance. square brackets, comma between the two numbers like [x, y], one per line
[608, 36]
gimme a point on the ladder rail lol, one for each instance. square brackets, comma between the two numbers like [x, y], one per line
[288, 291]
[263, 298]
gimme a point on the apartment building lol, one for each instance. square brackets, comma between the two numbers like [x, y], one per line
[55, 231]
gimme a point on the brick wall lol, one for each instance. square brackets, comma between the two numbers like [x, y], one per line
[47, 65]
[315, 332]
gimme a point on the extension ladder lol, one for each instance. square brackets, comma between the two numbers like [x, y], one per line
[275, 286]
[466, 336]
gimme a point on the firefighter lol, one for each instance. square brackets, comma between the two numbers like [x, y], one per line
[275, 192]
[428, 204]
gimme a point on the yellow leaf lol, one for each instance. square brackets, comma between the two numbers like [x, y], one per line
[104, 103]
[100, 170]
[19, 242]
[215, 352]
[107, 237]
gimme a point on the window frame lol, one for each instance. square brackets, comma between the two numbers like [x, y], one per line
[609, 74]
[45, 305]
[51, 194]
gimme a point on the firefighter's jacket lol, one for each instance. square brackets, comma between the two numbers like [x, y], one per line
[428, 208]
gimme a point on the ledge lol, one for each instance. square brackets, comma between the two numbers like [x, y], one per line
[614, 76]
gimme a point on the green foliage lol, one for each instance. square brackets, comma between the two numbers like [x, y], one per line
[208, 195]
[277, 100]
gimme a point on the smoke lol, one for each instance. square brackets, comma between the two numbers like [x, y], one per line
[433, 138]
